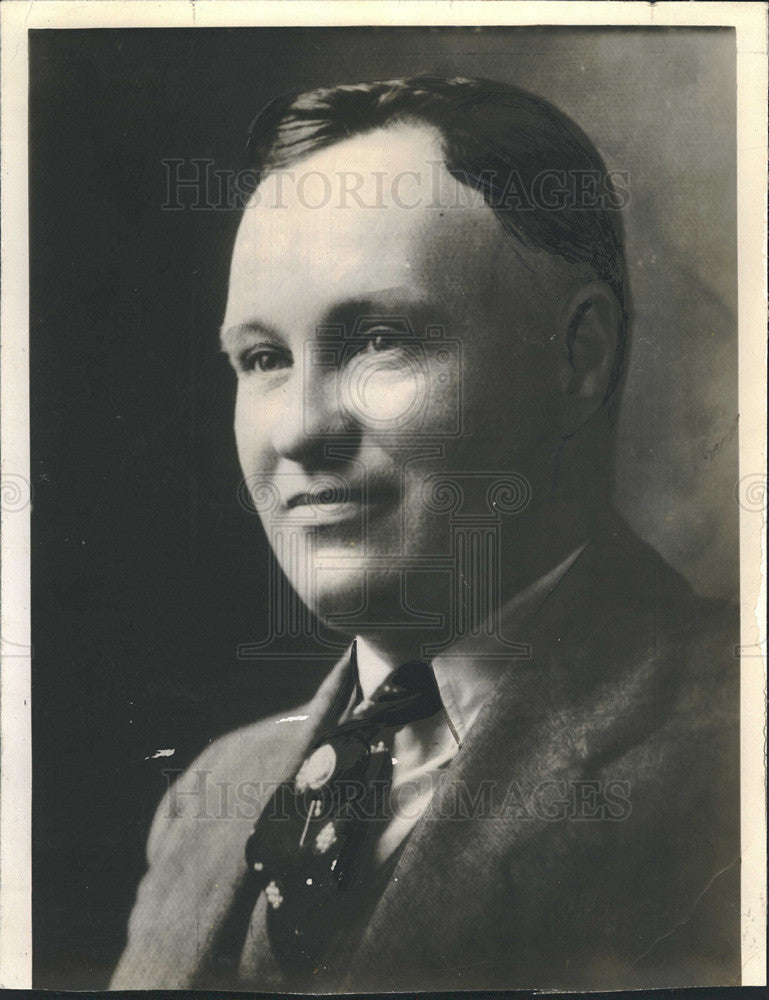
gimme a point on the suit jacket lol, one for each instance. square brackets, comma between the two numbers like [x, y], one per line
[586, 835]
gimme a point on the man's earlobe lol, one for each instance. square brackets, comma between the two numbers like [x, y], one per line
[593, 331]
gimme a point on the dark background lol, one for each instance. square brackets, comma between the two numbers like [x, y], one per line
[147, 572]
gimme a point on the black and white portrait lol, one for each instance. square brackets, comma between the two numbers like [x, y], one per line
[385, 545]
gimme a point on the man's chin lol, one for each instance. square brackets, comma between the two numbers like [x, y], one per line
[354, 598]
[361, 600]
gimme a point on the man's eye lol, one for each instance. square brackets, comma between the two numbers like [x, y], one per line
[266, 360]
[382, 338]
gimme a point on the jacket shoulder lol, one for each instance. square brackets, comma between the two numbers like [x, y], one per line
[253, 755]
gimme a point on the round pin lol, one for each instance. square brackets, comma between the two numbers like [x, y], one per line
[317, 770]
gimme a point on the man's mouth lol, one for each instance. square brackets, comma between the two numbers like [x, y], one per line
[336, 504]
[324, 497]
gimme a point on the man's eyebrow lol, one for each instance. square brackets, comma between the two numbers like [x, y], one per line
[394, 297]
[394, 303]
[389, 303]
[235, 338]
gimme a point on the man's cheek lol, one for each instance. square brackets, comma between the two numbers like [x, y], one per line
[244, 449]
[250, 435]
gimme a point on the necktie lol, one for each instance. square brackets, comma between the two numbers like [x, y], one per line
[307, 845]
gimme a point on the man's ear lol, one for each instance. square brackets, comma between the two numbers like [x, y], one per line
[593, 323]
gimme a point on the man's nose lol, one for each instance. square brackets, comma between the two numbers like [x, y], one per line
[310, 415]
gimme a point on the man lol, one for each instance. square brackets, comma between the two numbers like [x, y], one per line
[523, 772]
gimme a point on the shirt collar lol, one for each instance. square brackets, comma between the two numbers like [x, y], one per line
[373, 668]
[470, 669]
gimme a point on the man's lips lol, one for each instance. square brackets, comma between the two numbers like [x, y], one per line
[327, 502]
[324, 498]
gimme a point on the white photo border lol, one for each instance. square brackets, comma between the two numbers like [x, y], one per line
[17, 18]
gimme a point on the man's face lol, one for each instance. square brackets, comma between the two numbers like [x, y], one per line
[388, 335]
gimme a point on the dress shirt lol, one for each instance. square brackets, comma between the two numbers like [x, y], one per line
[466, 678]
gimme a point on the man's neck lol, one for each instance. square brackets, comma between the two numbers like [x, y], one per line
[525, 559]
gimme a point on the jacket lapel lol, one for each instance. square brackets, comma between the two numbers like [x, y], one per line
[203, 904]
[472, 871]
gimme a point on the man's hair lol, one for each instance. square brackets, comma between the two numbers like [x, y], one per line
[496, 138]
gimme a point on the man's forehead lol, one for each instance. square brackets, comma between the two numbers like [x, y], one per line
[384, 199]
[373, 167]
[390, 183]
[375, 210]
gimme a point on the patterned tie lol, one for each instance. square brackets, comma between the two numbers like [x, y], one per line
[307, 845]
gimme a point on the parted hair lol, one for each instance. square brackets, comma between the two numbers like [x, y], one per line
[495, 138]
